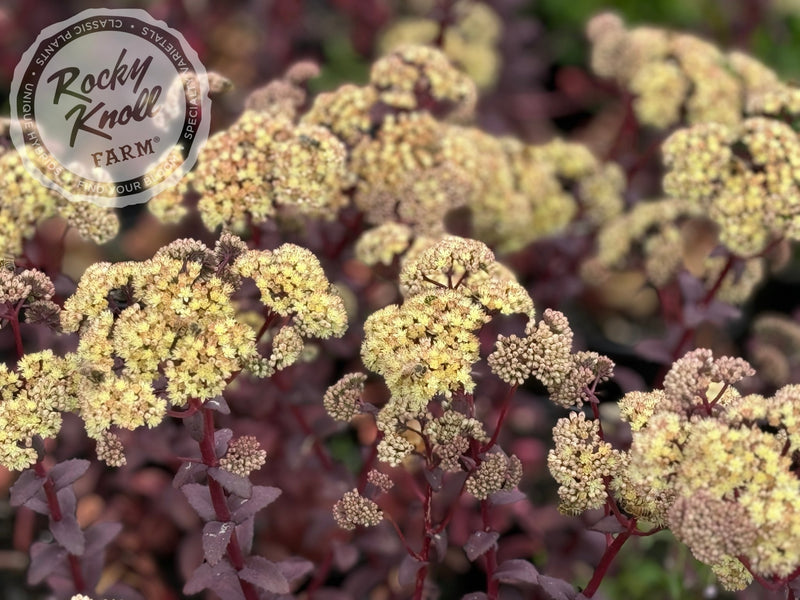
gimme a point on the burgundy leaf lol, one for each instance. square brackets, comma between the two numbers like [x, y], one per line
[440, 544]
[69, 534]
[407, 572]
[345, 556]
[227, 587]
[235, 484]
[720, 313]
[262, 496]
[516, 570]
[26, 485]
[434, 478]
[628, 379]
[204, 576]
[99, 535]
[216, 536]
[265, 574]
[67, 500]
[45, 559]
[189, 472]
[200, 498]
[692, 289]
[244, 532]
[221, 439]
[38, 503]
[67, 472]
[92, 568]
[608, 524]
[693, 314]
[479, 543]
[468, 462]
[195, 426]
[295, 568]
[218, 404]
[556, 589]
[506, 497]
[654, 350]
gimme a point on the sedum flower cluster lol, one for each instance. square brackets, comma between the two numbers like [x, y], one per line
[718, 468]
[27, 293]
[155, 334]
[31, 402]
[470, 40]
[354, 510]
[545, 352]
[675, 77]
[26, 203]
[400, 147]
[653, 237]
[743, 176]
[581, 463]
[426, 347]
[774, 347]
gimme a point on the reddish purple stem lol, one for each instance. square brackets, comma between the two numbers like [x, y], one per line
[219, 500]
[55, 513]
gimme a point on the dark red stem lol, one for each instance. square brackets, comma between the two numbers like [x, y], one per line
[220, 503]
[608, 557]
[55, 513]
[322, 455]
[424, 555]
[689, 332]
[492, 584]
[501, 417]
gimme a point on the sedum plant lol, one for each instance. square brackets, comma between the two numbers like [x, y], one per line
[338, 311]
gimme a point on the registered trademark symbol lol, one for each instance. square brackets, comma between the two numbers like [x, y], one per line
[156, 139]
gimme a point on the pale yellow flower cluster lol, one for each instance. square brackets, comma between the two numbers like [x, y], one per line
[520, 193]
[427, 345]
[648, 235]
[28, 293]
[470, 41]
[495, 473]
[293, 284]
[244, 455]
[171, 317]
[745, 177]
[717, 467]
[545, 352]
[450, 436]
[26, 203]
[467, 265]
[580, 461]
[407, 76]
[655, 238]
[158, 333]
[31, 401]
[355, 510]
[675, 77]
[775, 347]
[342, 399]
[394, 147]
